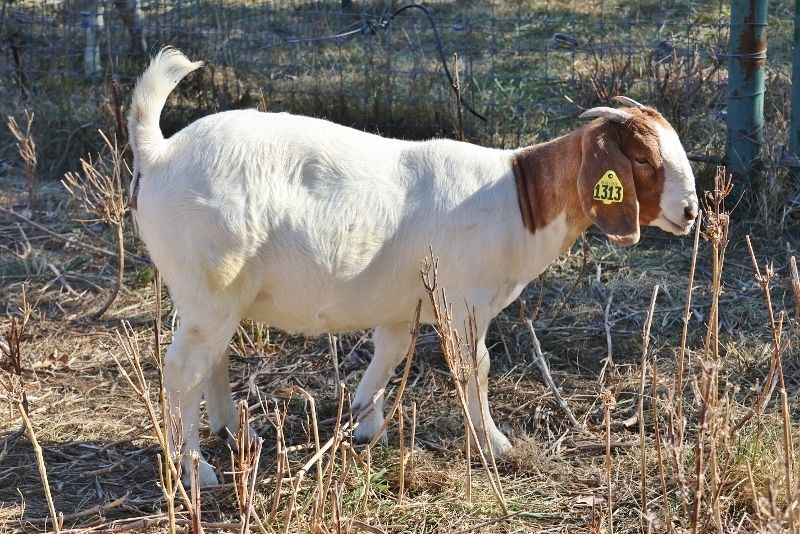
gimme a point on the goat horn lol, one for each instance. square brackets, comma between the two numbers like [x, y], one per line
[627, 101]
[617, 115]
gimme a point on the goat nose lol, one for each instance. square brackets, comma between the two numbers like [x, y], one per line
[690, 212]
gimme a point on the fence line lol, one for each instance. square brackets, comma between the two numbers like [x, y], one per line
[521, 66]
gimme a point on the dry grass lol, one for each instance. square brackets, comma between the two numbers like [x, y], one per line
[101, 448]
[696, 431]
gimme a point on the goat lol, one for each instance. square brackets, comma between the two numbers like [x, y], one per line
[313, 227]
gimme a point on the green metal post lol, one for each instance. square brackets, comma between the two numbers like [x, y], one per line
[794, 126]
[748, 55]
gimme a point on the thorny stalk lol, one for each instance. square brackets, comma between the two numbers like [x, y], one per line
[401, 439]
[12, 356]
[129, 341]
[245, 468]
[26, 146]
[659, 452]
[643, 457]
[459, 105]
[317, 450]
[412, 444]
[15, 391]
[168, 482]
[99, 189]
[677, 425]
[607, 397]
[337, 442]
[11, 363]
[461, 365]
[776, 364]
[716, 232]
[194, 485]
[37, 449]
[795, 286]
[541, 362]
[278, 421]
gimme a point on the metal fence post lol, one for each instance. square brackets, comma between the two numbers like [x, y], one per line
[794, 126]
[748, 55]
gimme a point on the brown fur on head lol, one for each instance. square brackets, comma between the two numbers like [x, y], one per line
[631, 150]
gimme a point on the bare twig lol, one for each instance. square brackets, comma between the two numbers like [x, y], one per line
[459, 105]
[27, 151]
[67, 239]
[609, 359]
[37, 449]
[194, 477]
[462, 365]
[607, 397]
[795, 287]
[541, 362]
[643, 372]
[84, 513]
[677, 425]
[100, 191]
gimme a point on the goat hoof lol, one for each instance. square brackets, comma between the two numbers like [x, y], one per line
[501, 447]
[497, 441]
[205, 474]
[369, 425]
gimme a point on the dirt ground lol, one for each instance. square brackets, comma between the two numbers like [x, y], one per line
[101, 454]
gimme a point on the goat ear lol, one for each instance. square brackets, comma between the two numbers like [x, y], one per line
[605, 184]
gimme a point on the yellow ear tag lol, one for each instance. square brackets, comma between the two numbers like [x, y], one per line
[608, 189]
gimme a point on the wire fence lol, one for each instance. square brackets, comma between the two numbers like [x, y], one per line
[527, 67]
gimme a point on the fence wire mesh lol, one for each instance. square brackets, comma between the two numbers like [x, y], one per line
[526, 66]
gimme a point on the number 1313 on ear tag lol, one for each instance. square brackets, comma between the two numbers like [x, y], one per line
[608, 189]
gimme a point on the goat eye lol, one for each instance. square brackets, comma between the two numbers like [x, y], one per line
[641, 161]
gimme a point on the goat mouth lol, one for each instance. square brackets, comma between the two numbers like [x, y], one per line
[675, 228]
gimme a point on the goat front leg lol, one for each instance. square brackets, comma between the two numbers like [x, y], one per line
[477, 389]
[478, 405]
[391, 346]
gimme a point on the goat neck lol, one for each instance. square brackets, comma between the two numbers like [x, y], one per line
[546, 179]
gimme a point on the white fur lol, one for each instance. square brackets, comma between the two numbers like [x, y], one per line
[679, 192]
[313, 227]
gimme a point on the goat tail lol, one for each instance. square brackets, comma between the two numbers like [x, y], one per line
[166, 69]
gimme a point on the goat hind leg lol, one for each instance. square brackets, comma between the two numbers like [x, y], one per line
[187, 365]
[223, 417]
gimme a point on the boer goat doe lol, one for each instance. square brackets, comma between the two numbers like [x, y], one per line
[313, 227]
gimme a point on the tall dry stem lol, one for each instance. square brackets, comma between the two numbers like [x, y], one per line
[677, 421]
[607, 398]
[12, 377]
[26, 145]
[459, 105]
[795, 286]
[460, 355]
[708, 424]
[165, 426]
[642, 449]
[244, 460]
[774, 374]
[99, 189]
[57, 518]
[11, 351]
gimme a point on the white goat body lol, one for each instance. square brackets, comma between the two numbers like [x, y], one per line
[314, 227]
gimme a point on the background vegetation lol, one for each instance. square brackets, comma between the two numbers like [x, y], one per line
[714, 451]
